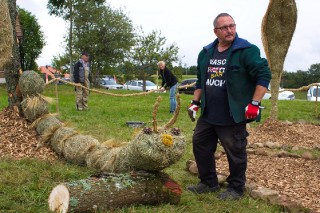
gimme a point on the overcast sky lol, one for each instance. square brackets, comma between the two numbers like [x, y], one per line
[188, 24]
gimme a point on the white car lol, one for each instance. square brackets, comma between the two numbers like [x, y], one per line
[283, 95]
[110, 84]
[138, 85]
[313, 93]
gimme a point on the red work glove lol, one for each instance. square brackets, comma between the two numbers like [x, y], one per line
[252, 111]
[193, 109]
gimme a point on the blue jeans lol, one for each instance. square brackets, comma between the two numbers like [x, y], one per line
[172, 96]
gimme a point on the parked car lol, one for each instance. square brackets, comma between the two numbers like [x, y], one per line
[187, 90]
[138, 85]
[110, 84]
[65, 79]
[313, 93]
[283, 95]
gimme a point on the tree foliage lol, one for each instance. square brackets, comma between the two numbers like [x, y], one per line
[106, 33]
[148, 50]
[33, 40]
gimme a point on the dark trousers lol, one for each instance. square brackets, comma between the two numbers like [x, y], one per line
[234, 141]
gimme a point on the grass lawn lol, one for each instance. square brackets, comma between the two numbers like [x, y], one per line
[26, 184]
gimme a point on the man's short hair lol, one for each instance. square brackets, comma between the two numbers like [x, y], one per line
[85, 53]
[218, 16]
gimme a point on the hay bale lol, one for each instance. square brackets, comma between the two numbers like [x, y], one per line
[58, 138]
[31, 83]
[34, 107]
[6, 35]
[77, 147]
[47, 126]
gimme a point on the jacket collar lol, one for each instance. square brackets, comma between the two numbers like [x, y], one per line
[238, 43]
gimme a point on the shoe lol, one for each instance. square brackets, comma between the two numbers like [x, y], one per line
[80, 109]
[202, 188]
[230, 194]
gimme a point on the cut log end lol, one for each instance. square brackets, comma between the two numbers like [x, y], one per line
[59, 199]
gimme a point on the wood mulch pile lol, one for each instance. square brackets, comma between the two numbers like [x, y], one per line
[296, 178]
[18, 140]
[293, 177]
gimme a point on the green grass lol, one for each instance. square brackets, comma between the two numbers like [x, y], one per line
[26, 184]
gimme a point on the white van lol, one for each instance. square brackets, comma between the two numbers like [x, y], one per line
[313, 92]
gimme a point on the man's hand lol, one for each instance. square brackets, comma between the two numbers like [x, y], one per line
[252, 111]
[192, 110]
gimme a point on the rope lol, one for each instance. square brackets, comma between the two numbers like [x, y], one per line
[303, 88]
[101, 92]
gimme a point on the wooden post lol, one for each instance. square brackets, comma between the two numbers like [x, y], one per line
[109, 191]
[57, 97]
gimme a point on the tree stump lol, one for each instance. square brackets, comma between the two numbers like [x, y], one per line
[110, 190]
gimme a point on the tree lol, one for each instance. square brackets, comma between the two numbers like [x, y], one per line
[106, 33]
[34, 40]
[11, 71]
[64, 9]
[150, 49]
[314, 72]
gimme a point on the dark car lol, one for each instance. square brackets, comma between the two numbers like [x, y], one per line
[184, 86]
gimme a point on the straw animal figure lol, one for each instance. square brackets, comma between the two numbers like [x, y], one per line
[278, 26]
[150, 149]
[6, 35]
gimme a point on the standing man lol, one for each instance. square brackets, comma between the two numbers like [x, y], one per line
[81, 77]
[168, 81]
[232, 79]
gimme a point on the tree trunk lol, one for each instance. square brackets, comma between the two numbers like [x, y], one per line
[109, 191]
[12, 71]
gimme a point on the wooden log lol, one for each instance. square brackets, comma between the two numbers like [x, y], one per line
[109, 190]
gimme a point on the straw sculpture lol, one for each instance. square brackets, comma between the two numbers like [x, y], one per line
[150, 149]
[6, 35]
[278, 26]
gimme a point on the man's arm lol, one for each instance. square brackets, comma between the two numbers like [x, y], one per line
[197, 95]
[259, 93]
[76, 73]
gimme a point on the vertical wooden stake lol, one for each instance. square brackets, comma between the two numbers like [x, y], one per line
[57, 98]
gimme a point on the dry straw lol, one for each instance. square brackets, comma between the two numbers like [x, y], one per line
[46, 126]
[59, 137]
[6, 35]
[149, 152]
[34, 107]
[76, 148]
[31, 84]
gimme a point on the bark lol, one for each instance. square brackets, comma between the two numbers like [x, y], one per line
[109, 191]
[12, 71]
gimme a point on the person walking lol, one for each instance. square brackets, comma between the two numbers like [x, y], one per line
[168, 81]
[232, 79]
[81, 74]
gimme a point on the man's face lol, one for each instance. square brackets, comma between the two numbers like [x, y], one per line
[225, 29]
[85, 58]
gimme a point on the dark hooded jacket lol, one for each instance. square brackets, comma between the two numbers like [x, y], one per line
[168, 79]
